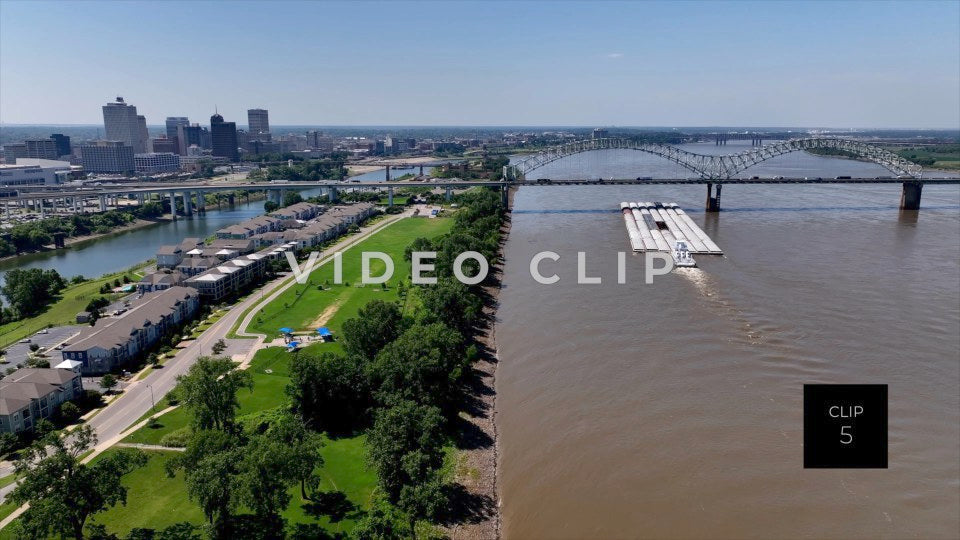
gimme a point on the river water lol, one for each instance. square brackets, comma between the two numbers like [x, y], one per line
[674, 410]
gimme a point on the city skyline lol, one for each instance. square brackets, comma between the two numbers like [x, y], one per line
[866, 65]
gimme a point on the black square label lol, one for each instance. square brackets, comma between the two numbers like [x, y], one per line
[845, 426]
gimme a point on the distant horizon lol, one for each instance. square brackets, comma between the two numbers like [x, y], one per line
[520, 126]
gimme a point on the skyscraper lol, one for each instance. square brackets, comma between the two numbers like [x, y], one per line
[173, 123]
[144, 135]
[63, 144]
[224, 136]
[259, 123]
[121, 123]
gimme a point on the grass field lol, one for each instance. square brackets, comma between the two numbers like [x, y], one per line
[301, 307]
[345, 469]
[73, 300]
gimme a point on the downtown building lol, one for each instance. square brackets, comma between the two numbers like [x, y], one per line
[156, 162]
[110, 157]
[122, 123]
[258, 124]
[224, 136]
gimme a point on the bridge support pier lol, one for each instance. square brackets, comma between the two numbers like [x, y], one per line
[333, 195]
[505, 196]
[201, 203]
[173, 206]
[713, 203]
[103, 203]
[187, 205]
[910, 198]
[421, 171]
[388, 173]
[389, 197]
[449, 194]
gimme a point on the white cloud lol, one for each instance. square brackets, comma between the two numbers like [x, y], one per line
[615, 55]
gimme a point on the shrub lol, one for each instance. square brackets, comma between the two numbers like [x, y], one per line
[178, 438]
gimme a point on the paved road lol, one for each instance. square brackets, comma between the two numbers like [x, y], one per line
[138, 396]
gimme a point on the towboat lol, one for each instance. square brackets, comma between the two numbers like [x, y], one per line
[682, 257]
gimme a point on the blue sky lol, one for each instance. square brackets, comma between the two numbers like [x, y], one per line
[860, 64]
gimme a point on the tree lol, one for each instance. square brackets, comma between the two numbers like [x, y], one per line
[452, 302]
[108, 382]
[292, 197]
[70, 412]
[30, 290]
[210, 465]
[8, 441]
[383, 522]
[405, 445]
[212, 484]
[303, 451]
[418, 244]
[62, 492]
[425, 364]
[219, 346]
[329, 391]
[270, 206]
[377, 323]
[209, 390]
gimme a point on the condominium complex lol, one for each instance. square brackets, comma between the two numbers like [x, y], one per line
[31, 394]
[112, 342]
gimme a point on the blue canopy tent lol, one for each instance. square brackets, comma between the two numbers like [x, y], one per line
[325, 333]
[293, 345]
[286, 330]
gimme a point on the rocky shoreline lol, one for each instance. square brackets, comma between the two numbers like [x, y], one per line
[478, 505]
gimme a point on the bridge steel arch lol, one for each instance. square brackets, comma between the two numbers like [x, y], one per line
[718, 167]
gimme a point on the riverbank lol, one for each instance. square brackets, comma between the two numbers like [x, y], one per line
[76, 240]
[477, 470]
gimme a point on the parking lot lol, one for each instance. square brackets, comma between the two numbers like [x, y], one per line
[17, 354]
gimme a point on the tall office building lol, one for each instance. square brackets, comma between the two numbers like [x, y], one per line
[121, 123]
[173, 126]
[41, 148]
[259, 123]
[173, 122]
[63, 144]
[224, 135]
[143, 133]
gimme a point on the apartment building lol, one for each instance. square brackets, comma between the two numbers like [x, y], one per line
[113, 342]
[31, 394]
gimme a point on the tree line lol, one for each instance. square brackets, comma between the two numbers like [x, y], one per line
[36, 234]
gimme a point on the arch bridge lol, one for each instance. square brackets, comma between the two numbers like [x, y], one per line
[718, 167]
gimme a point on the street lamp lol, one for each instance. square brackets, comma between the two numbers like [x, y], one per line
[153, 404]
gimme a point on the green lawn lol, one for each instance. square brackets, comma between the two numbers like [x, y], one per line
[153, 499]
[301, 305]
[345, 469]
[73, 300]
[7, 480]
[167, 423]
[397, 199]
